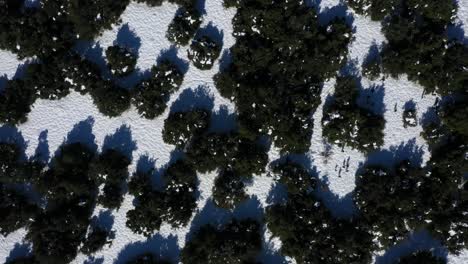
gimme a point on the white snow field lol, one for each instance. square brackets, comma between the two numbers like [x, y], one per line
[76, 113]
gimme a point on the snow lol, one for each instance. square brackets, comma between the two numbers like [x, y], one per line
[78, 114]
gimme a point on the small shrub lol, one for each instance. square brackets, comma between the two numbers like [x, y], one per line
[120, 61]
[203, 52]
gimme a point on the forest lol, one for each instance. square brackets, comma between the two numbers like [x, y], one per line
[282, 56]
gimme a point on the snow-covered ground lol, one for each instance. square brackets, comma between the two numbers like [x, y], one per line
[76, 118]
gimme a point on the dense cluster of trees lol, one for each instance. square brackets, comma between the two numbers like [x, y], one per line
[308, 231]
[237, 158]
[49, 31]
[55, 25]
[239, 241]
[56, 209]
[433, 198]
[150, 96]
[281, 58]
[111, 169]
[174, 204]
[53, 79]
[417, 42]
[345, 123]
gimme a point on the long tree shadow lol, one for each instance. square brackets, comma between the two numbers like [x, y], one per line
[19, 251]
[216, 216]
[165, 248]
[328, 14]
[121, 141]
[128, 39]
[211, 31]
[42, 153]
[170, 54]
[222, 121]
[388, 157]
[11, 135]
[417, 241]
[82, 132]
[340, 207]
[191, 99]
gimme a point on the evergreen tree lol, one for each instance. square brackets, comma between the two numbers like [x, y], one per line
[120, 61]
[184, 25]
[57, 233]
[60, 228]
[203, 52]
[110, 168]
[16, 210]
[455, 117]
[181, 127]
[67, 178]
[389, 202]
[15, 102]
[47, 80]
[228, 190]
[211, 151]
[151, 95]
[111, 100]
[174, 204]
[97, 238]
[347, 124]
[90, 17]
[236, 242]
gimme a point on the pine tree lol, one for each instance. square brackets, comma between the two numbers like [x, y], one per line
[203, 52]
[151, 96]
[347, 124]
[235, 242]
[120, 61]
